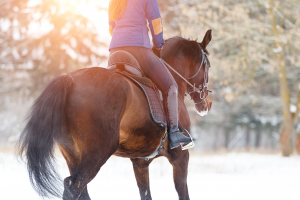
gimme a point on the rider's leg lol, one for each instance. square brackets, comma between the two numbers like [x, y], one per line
[176, 138]
[160, 75]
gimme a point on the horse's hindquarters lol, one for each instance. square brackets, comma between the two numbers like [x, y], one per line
[104, 108]
[95, 107]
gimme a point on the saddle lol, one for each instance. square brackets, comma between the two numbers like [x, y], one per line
[125, 64]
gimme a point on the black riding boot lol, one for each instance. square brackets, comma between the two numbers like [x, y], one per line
[176, 138]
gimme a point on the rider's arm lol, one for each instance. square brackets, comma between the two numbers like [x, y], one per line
[155, 23]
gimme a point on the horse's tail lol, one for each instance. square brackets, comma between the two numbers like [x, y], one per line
[45, 120]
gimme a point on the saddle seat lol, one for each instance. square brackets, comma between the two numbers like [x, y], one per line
[124, 61]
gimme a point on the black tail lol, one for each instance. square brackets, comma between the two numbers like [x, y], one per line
[45, 121]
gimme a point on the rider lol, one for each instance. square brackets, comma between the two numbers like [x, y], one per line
[128, 28]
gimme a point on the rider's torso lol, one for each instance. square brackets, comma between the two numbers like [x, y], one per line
[131, 28]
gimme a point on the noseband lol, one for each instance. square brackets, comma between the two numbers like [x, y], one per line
[202, 88]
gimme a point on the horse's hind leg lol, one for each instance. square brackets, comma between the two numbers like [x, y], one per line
[73, 161]
[95, 148]
[179, 160]
[86, 171]
[141, 172]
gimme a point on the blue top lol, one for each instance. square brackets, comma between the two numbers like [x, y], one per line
[131, 27]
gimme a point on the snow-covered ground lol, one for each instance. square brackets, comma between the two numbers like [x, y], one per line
[233, 176]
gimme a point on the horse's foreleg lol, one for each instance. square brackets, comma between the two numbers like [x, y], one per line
[179, 160]
[141, 172]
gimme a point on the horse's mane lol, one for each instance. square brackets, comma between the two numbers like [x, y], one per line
[178, 46]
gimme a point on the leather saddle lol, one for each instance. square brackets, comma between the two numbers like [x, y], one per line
[125, 64]
[124, 61]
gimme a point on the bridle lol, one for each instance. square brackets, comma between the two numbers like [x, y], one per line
[202, 88]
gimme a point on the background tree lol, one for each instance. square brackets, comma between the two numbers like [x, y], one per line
[47, 38]
[255, 55]
[38, 41]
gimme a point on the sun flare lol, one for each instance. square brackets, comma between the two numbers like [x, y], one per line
[94, 10]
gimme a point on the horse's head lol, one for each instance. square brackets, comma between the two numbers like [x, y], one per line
[191, 64]
[199, 78]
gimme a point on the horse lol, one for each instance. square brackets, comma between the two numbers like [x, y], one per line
[94, 113]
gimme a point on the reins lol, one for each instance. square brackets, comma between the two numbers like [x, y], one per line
[203, 58]
[171, 68]
[199, 90]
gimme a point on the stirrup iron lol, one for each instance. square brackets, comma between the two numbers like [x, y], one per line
[189, 145]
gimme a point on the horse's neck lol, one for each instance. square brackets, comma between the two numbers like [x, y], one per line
[181, 89]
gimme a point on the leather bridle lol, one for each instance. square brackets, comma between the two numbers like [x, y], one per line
[202, 88]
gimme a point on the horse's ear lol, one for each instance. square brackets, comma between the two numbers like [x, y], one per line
[206, 39]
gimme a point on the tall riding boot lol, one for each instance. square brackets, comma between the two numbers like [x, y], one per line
[176, 138]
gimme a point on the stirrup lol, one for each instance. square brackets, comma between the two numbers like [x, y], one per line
[188, 146]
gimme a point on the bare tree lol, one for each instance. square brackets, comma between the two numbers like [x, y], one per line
[63, 40]
[254, 41]
[38, 41]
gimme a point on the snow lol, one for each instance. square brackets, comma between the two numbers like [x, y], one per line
[232, 176]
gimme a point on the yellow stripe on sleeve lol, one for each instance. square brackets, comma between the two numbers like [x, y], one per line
[157, 26]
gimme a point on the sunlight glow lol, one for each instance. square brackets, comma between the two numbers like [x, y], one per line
[94, 10]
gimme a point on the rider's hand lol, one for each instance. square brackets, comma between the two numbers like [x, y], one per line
[156, 51]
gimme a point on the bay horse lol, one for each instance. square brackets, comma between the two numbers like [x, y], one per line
[94, 113]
